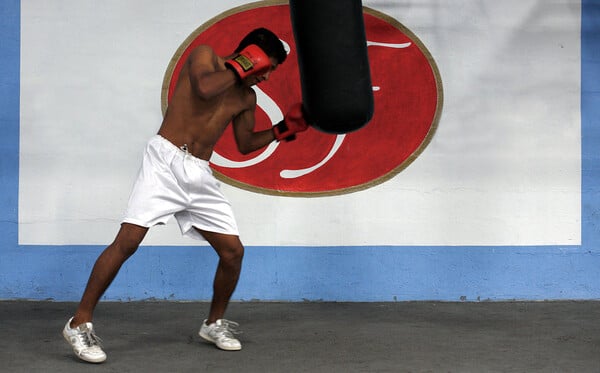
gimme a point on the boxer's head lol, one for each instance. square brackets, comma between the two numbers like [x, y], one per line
[267, 41]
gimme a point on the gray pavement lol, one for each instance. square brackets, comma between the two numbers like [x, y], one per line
[313, 337]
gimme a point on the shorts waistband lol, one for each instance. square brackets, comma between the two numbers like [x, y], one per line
[182, 149]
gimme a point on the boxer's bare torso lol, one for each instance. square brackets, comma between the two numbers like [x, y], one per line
[208, 97]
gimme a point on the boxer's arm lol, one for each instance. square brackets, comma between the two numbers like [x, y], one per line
[246, 138]
[206, 81]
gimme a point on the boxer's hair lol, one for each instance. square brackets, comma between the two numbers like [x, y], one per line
[267, 41]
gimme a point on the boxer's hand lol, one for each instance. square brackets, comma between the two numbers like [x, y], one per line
[250, 61]
[293, 122]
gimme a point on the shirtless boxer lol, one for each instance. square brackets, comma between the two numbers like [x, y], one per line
[176, 180]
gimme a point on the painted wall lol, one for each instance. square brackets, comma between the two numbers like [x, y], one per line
[502, 204]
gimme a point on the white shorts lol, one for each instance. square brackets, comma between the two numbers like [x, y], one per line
[172, 182]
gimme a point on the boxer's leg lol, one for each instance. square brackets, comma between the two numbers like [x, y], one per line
[79, 330]
[106, 268]
[231, 251]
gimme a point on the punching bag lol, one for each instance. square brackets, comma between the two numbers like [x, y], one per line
[334, 65]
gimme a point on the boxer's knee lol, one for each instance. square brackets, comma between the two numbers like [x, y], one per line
[128, 240]
[231, 256]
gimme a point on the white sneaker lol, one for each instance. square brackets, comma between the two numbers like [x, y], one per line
[221, 334]
[85, 343]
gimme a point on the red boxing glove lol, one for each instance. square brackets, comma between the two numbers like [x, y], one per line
[250, 61]
[292, 123]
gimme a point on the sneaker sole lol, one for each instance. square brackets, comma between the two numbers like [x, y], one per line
[224, 348]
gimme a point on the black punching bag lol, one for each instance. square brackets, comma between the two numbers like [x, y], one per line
[334, 65]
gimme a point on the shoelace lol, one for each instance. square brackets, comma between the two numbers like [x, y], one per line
[228, 328]
[90, 339]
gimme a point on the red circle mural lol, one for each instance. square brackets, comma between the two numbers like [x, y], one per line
[407, 95]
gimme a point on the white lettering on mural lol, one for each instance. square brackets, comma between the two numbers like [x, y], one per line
[270, 107]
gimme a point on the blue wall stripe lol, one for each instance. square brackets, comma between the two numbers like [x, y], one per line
[590, 122]
[9, 118]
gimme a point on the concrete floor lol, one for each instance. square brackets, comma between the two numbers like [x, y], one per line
[314, 337]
